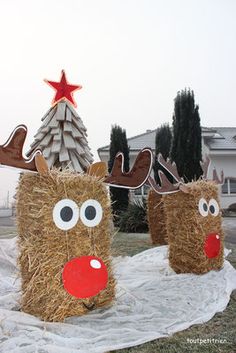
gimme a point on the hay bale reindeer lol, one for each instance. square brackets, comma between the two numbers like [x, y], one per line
[193, 220]
[63, 221]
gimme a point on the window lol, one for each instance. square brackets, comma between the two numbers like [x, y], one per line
[224, 188]
[229, 186]
[232, 186]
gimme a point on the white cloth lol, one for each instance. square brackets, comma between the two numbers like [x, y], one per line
[152, 302]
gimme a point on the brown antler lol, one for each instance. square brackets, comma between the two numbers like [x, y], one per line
[137, 176]
[166, 186]
[216, 178]
[11, 151]
[205, 168]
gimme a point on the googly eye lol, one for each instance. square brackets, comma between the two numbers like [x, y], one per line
[91, 213]
[65, 214]
[203, 207]
[214, 207]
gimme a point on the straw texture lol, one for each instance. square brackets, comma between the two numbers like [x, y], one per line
[44, 249]
[156, 218]
[187, 229]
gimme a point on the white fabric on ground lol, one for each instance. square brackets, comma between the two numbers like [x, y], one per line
[152, 302]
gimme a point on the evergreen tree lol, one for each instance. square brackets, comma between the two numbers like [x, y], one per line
[118, 143]
[186, 149]
[162, 145]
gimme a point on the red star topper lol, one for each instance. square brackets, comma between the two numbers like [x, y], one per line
[63, 90]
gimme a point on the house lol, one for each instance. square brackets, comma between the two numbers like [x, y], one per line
[219, 143]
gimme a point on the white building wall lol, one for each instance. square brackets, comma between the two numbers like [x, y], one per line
[227, 163]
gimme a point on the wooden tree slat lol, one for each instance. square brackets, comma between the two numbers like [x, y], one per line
[76, 133]
[78, 168]
[56, 146]
[73, 111]
[61, 110]
[45, 141]
[68, 141]
[54, 122]
[79, 149]
[63, 155]
[78, 124]
[68, 114]
[47, 114]
[67, 126]
[55, 131]
[47, 151]
[83, 162]
[58, 136]
[39, 136]
[45, 129]
[51, 160]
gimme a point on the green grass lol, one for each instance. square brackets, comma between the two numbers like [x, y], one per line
[221, 327]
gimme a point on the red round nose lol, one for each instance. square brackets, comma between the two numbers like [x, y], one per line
[85, 276]
[212, 245]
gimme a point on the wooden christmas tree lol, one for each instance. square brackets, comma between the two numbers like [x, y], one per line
[62, 136]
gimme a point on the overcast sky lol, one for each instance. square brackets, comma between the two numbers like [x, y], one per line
[130, 56]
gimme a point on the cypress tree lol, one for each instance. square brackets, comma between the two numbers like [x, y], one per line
[162, 145]
[186, 149]
[118, 143]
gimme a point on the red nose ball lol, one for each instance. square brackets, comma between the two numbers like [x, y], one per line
[85, 276]
[212, 245]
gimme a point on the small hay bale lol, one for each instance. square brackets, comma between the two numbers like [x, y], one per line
[188, 230]
[44, 249]
[156, 218]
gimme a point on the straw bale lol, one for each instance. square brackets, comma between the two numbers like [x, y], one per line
[187, 229]
[156, 218]
[44, 249]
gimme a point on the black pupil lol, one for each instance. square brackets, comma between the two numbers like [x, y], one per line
[90, 212]
[66, 213]
[205, 207]
[212, 209]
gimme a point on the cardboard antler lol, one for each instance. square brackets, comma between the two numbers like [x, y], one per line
[205, 168]
[11, 151]
[166, 186]
[138, 174]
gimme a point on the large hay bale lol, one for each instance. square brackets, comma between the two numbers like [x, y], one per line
[156, 218]
[44, 248]
[188, 229]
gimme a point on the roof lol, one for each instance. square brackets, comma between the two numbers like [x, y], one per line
[223, 139]
[216, 138]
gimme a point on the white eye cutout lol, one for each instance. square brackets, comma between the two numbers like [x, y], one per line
[214, 207]
[65, 214]
[91, 213]
[203, 207]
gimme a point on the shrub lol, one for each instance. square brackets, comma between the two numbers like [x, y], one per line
[134, 219]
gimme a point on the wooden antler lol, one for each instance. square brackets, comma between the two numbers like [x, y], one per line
[11, 151]
[216, 179]
[166, 186]
[137, 176]
[205, 168]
